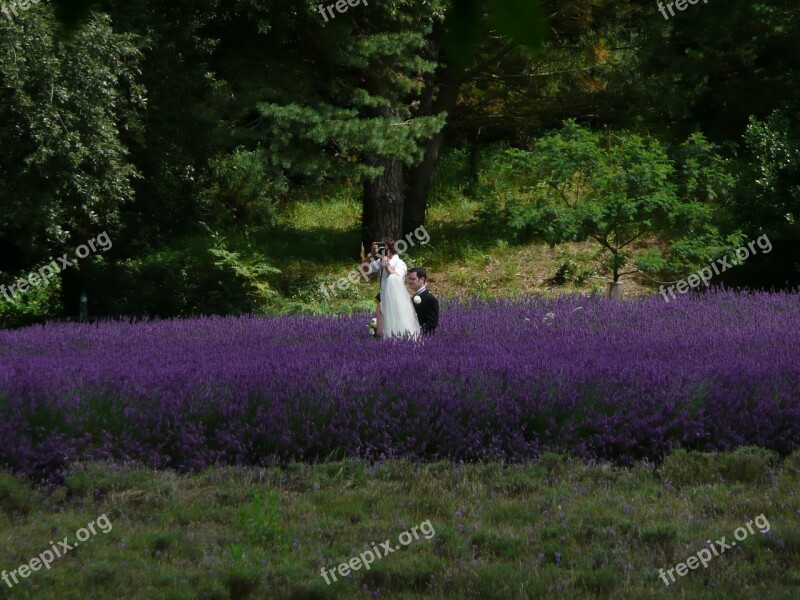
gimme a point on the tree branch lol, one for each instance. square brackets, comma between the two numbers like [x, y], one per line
[633, 238]
[466, 75]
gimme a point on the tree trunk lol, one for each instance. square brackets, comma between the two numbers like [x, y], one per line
[420, 180]
[382, 214]
[382, 197]
[440, 94]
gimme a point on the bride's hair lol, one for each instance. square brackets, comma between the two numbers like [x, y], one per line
[390, 245]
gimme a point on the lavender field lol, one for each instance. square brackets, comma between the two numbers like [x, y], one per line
[500, 380]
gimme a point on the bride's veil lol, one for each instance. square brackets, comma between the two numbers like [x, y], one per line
[399, 316]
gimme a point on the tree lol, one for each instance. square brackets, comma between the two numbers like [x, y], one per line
[710, 67]
[376, 101]
[331, 98]
[616, 188]
[180, 140]
[371, 106]
[64, 105]
[770, 199]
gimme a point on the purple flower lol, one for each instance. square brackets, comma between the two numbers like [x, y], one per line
[616, 381]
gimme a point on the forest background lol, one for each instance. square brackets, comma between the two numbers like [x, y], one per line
[240, 154]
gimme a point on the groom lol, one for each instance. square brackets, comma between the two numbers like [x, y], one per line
[387, 264]
[425, 303]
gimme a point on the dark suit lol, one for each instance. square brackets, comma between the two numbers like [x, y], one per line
[427, 311]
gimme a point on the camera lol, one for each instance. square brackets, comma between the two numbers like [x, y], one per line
[382, 248]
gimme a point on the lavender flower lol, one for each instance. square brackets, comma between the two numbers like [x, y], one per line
[618, 381]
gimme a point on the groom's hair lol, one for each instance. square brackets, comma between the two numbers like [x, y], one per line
[390, 245]
[420, 271]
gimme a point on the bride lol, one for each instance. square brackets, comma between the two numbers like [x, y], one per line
[399, 316]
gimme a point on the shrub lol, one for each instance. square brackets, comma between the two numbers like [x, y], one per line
[36, 305]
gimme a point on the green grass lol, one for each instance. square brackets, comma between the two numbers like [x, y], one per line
[552, 528]
[318, 240]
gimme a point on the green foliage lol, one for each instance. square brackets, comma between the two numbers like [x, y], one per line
[352, 108]
[38, 304]
[651, 260]
[465, 29]
[65, 101]
[686, 254]
[572, 269]
[770, 199]
[507, 186]
[241, 190]
[100, 481]
[261, 518]
[704, 174]
[71, 13]
[687, 64]
[615, 188]
[184, 125]
[185, 278]
[265, 533]
[152, 117]
[15, 496]
[523, 21]
[251, 270]
[452, 175]
[298, 133]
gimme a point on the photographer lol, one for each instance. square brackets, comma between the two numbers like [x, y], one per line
[386, 262]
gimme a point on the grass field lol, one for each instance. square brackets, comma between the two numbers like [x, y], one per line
[318, 237]
[552, 528]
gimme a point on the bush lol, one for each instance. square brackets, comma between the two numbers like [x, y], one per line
[195, 275]
[36, 305]
[241, 190]
[572, 269]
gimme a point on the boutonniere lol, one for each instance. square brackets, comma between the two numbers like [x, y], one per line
[417, 299]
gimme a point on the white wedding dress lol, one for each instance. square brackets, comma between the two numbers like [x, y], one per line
[399, 316]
